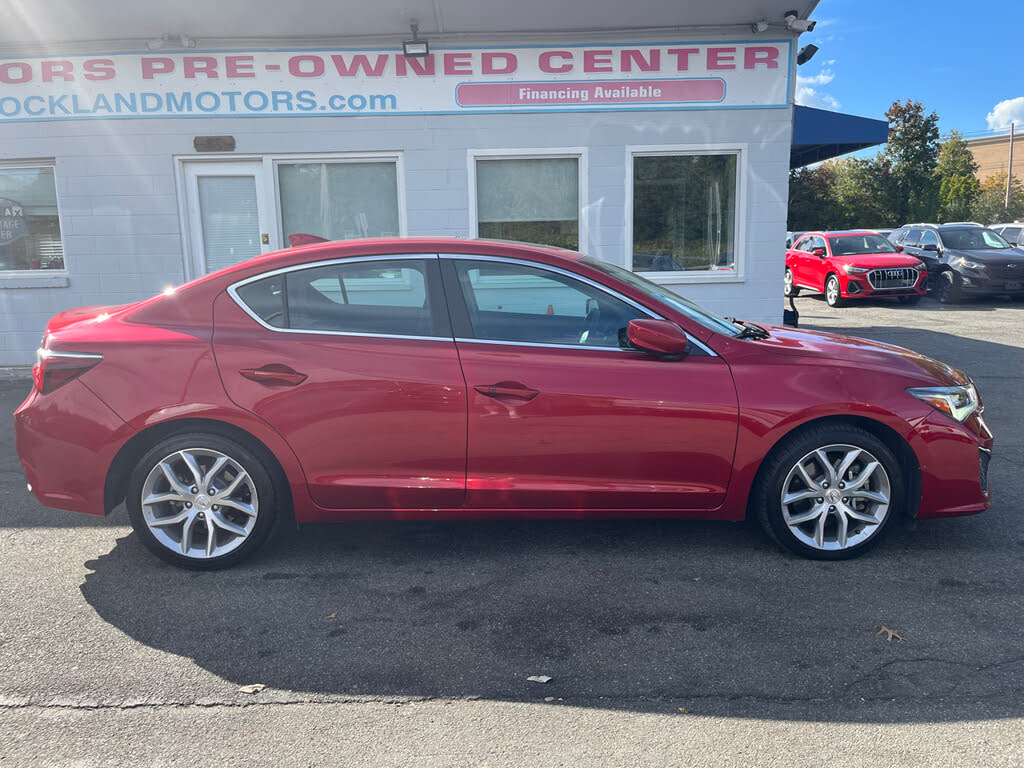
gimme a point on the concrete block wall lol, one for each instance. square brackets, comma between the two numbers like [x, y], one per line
[119, 201]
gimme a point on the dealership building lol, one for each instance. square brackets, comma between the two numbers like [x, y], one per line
[142, 146]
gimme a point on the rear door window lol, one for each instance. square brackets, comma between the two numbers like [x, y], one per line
[388, 297]
[928, 237]
[912, 238]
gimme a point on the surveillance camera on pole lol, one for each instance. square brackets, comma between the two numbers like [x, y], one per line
[795, 24]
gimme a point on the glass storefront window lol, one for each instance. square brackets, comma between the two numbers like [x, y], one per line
[684, 213]
[533, 200]
[29, 224]
[339, 200]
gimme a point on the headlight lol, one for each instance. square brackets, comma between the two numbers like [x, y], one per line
[921, 266]
[958, 402]
[969, 264]
[854, 270]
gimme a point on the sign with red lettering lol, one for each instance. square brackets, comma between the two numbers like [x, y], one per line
[720, 75]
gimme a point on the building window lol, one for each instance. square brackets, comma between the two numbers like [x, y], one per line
[530, 199]
[339, 200]
[29, 223]
[684, 212]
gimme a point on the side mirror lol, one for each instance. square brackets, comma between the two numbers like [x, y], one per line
[820, 252]
[659, 337]
[930, 247]
[899, 248]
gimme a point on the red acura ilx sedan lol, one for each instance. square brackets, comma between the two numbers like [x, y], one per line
[443, 378]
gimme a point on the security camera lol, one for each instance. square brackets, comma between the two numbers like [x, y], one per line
[796, 24]
[759, 26]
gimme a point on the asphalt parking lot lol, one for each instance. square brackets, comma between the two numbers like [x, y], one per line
[668, 643]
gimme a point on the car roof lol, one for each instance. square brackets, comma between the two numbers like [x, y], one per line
[842, 232]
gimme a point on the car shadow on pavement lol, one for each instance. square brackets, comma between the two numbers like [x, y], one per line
[631, 615]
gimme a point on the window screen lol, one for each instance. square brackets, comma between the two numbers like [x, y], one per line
[684, 213]
[533, 200]
[29, 225]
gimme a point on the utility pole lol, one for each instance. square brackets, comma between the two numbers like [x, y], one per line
[1009, 169]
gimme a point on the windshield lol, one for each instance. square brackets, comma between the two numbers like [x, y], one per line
[851, 245]
[693, 311]
[973, 239]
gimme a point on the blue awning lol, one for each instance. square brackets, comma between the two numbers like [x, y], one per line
[819, 134]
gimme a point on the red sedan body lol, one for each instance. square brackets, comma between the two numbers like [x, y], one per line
[442, 425]
[861, 271]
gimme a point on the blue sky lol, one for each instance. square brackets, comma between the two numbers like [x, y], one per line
[959, 59]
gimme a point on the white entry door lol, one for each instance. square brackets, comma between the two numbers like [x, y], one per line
[229, 218]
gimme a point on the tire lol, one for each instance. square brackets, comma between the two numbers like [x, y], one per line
[240, 523]
[950, 290]
[910, 300]
[780, 473]
[790, 290]
[833, 292]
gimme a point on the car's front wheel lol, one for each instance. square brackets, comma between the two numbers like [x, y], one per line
[829, 493]
[790, 289]
[201, 500]
[833, 292]
[950, 290]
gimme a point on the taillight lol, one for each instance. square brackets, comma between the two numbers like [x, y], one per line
[54, 369]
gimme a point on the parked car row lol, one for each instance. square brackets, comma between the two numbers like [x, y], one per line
[853, 265]
[956, 260]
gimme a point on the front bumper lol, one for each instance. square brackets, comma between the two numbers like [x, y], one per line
[953, 459]
[987, 284]
[857, 286]
[66, 441]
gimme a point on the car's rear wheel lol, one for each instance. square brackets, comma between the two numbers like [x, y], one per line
[790, 288]
[833, 292]
[201, 500]
[950, 290]
[829, 493]
[910, 300]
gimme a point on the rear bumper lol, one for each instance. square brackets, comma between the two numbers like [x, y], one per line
[954, 466]
[66, 441]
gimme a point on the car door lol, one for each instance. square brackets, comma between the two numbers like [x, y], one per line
[353, 362]
[801, 261]
[818, 267]
[929, 251]
[562, 417]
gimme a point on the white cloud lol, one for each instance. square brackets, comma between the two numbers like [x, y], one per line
[808, 93]
[1006, 112]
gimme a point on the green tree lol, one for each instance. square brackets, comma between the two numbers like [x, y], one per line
[990, 206]
[812, 201]
[955, 172]
[913, 151]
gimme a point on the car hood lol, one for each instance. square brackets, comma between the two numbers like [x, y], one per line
[989, 255]
[878, 260]
[860, 353]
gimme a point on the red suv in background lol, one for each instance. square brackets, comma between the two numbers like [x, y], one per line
[852, 265]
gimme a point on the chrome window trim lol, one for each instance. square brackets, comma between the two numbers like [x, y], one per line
[593, 283]
[232, 291]
[43, 353]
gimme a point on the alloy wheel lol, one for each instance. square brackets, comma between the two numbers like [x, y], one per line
[199, 503]
[836, 497]
[832, 291]
[789, 282]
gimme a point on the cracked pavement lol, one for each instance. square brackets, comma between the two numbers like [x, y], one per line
[110, 657]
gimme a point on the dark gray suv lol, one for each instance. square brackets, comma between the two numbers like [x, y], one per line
[964, 259]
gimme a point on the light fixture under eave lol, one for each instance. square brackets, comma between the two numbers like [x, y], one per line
[416, 48]
[806, 53]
